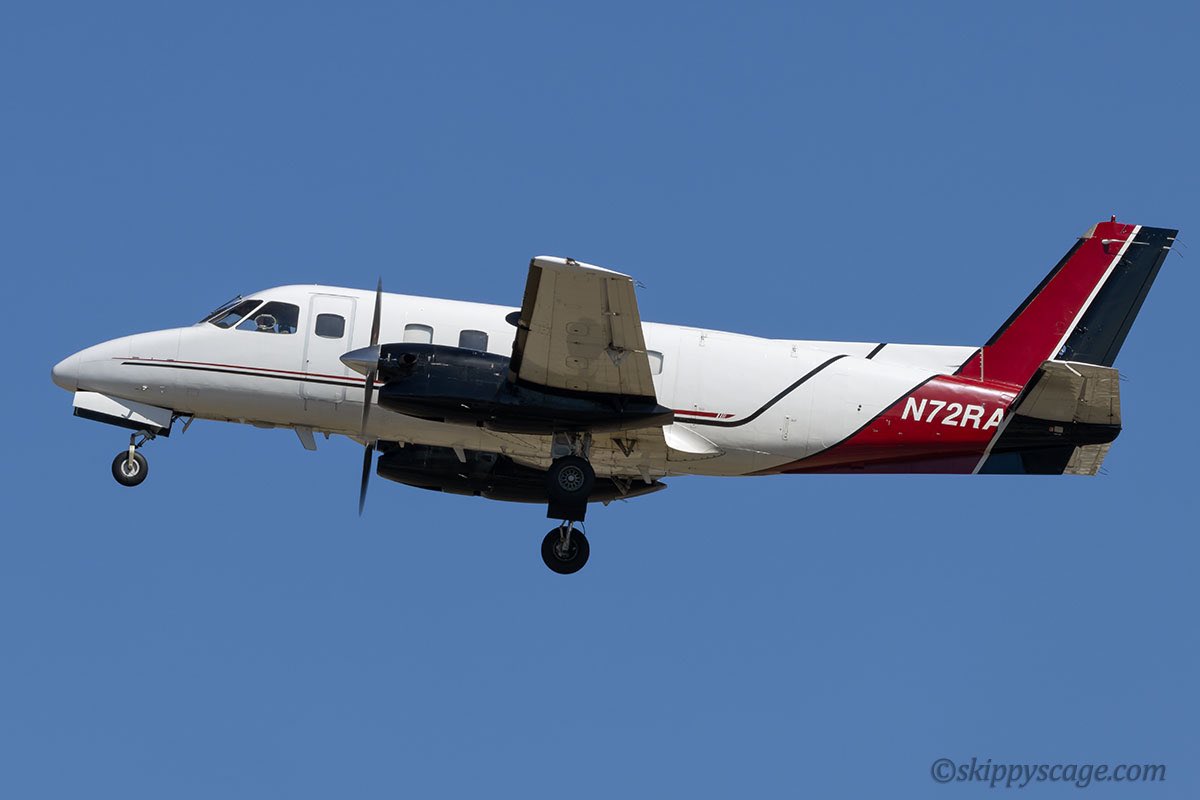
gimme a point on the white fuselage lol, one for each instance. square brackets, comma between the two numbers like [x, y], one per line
[738, 410]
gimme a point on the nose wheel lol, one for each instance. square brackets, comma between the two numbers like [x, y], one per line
[130, 467]
[565, 550]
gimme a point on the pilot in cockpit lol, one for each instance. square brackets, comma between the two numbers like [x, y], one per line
[270, 317]
[276, 317]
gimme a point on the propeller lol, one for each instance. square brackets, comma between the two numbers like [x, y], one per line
[369, 453]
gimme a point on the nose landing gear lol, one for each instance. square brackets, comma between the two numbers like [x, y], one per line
[130, 467]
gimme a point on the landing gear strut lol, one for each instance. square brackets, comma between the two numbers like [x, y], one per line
[565, 550]
[130, 467]
[569, 484]
[570, 479]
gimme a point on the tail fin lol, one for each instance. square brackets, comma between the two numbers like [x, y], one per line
[1083, 310]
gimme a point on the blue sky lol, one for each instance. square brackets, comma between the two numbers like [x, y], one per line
[867, 172]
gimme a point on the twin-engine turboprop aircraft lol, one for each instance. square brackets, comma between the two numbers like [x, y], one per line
[573, 399]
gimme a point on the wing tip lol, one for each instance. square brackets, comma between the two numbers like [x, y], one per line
[561, 263]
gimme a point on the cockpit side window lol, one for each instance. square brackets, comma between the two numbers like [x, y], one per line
[231, 315]
[273, 317]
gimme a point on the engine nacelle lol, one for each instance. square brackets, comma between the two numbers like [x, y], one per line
[451, 384]
[489, 475]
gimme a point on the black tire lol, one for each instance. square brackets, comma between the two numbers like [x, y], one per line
[127, 475]
[570, 479]
[574, 560]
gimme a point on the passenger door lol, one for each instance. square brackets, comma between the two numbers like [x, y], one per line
[327, 337]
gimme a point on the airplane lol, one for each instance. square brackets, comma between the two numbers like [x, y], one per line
[571, 399]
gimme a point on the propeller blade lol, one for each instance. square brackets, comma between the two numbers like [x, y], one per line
[369, 386]
[378, 308]
[368, 455]
[368, 395]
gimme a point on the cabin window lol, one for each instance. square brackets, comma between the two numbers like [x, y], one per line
[331, 326]
[473, 340]
[227, 318]
[656, 361]
[273, 318]
[418, 334]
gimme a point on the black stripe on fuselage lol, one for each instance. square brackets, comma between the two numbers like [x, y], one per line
[1102, 330]
[764, 407]
[875, 352]
[348, 382]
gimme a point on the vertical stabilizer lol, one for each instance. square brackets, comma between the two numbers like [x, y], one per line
[1083, 310]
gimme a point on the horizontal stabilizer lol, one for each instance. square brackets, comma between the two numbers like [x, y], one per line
[1087, 459]
[1064, 424]
[1074, 392]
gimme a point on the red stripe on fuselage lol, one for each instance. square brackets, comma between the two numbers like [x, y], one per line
[704, 414]
[166, 362]
[942, 426]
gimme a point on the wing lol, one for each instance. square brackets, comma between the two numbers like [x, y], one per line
[640, 454]
[579, 330]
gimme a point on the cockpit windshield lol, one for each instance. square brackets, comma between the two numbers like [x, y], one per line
[232, 312]
[228, 304]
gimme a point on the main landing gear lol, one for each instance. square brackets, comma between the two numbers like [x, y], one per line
[569, 481]
[569, 484]
[565, 550]
[130, 467]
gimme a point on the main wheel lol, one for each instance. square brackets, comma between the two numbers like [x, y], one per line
[130, 474]
[568, 561]
[570, 479]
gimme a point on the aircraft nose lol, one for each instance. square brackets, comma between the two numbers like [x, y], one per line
[66, 373]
